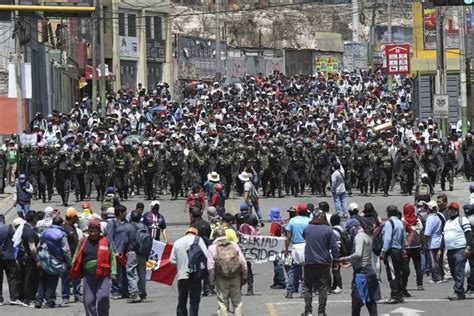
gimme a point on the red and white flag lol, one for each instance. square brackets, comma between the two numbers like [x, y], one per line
[158, 267]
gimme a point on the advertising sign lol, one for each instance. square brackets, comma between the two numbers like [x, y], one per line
[398, 59]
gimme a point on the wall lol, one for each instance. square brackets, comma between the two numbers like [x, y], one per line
[9, 115]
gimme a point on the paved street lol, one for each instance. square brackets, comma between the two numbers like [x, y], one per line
[163, 299]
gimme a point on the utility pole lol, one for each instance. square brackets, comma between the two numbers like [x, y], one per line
[94, 60]
[102, 58]
[462, 68]
[355, 21]
[218, 41]
[389, 31]
[18, 73]
[441, 61]
[371, 39]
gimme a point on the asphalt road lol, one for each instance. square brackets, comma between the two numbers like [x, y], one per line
[163, 299]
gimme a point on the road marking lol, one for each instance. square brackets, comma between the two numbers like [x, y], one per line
[413, 300]
[272, 310]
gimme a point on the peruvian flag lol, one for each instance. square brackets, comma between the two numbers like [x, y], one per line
[158, 267]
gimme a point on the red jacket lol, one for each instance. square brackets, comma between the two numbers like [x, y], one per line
[103, 259]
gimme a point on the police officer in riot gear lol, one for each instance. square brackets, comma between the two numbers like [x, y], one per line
[175, 169]
[149, 168]
[64, 169]
[121, 173]
[99, 168]
[408, 167]
[33, 170]
[78, 179]
[448, 159]
[385, 163]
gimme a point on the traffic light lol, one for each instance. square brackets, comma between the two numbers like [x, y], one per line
[447, 3]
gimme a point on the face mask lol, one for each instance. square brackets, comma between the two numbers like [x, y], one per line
[454, 214]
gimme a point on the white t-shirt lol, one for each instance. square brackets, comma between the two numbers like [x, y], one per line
[454, 234]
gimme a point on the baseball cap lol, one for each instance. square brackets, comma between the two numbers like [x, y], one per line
[71, 212]
[302, 208]
[454, 205]
[432, 205]
[153, 203]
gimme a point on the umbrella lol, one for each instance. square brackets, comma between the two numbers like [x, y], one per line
[130, 139]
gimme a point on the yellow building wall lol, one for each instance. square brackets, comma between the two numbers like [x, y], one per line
[425, 60]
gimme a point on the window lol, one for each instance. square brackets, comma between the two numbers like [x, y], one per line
[157, 27]
[121, 24]
[132, 25]
[148, 27]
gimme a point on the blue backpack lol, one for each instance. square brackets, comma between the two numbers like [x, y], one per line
[197, 266]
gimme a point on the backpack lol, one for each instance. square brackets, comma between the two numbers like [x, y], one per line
[377, 241]
[144, 241]
[247, 229]
[50, 263]
[227, 259]
[197, 266]
[346, 243]
[424, 189]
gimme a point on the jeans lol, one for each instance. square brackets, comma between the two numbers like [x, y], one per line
[47, 288]
[336, 279]
[457, 264]
[415, 255]
[437, 272]
[316, 277]
[191, 289]
[294, 276]
[120, 285]
[256, 207]
[470, 280]
[96, 295]
[22, 209]
[394, 265]
[278, 273]
[340, 203]
[136, 274]
[9, 266]
[66, 287]
[425, 263]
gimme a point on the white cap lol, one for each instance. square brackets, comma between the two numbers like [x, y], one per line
[153, 203]
[353, 206]
[432, 205]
